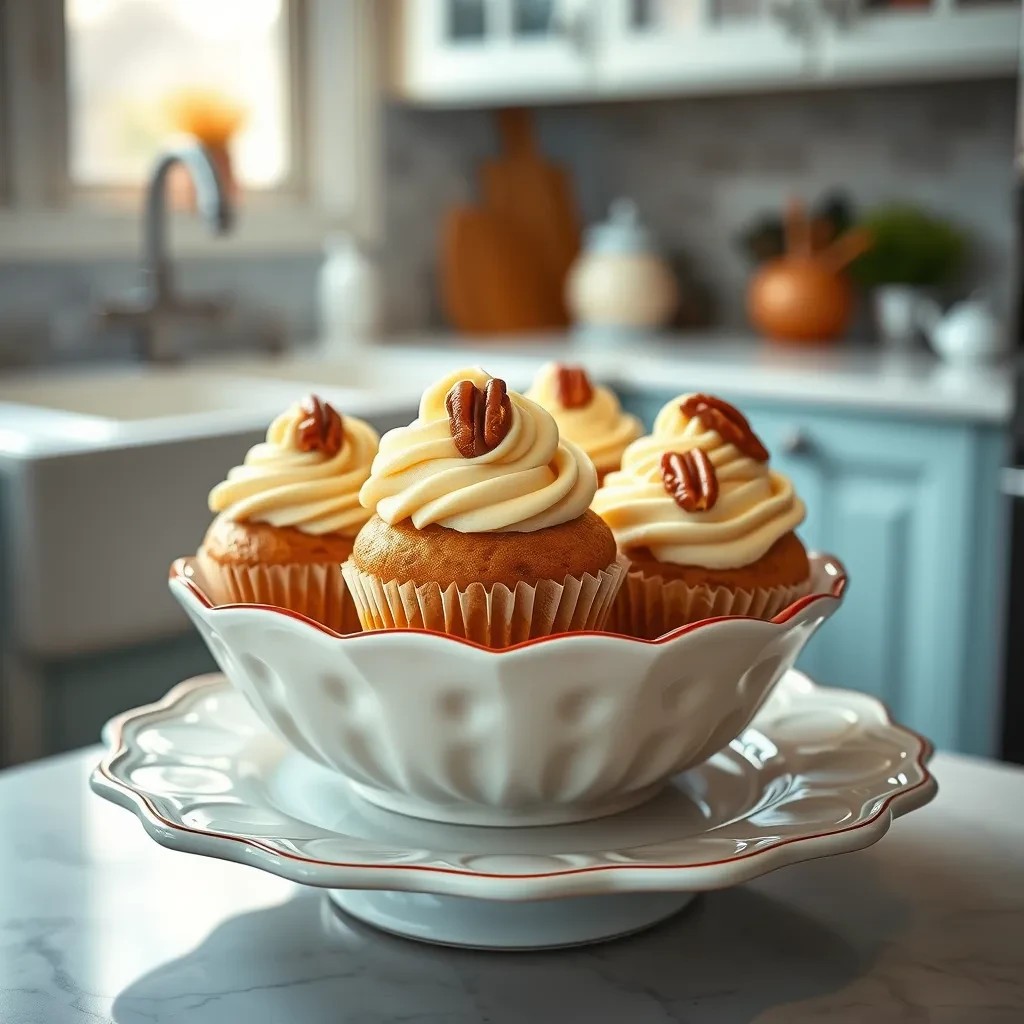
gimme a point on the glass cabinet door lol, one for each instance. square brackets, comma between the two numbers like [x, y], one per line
[465, 21]
[480, 20]
[532, 19]
[473, 50]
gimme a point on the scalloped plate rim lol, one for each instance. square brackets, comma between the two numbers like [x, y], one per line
[453, 881]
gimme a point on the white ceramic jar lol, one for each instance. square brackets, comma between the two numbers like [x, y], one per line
[620, 284]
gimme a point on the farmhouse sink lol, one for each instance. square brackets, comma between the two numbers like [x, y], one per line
[52, 413]
[104, 477]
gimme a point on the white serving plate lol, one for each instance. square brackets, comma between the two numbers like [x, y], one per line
[562, 728]
[819, 772]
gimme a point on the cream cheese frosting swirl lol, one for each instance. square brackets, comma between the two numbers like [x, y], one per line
[599, 426]
[531, 480]
[755, 506]
[315, 490]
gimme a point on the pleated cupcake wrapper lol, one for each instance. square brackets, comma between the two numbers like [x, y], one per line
[316, 589]
[650, 606]
[493, 616]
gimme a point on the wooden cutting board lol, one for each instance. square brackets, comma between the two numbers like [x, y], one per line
[535, 195]
[489, 281]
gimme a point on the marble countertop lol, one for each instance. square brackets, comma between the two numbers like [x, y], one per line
[99, 408]
[842, 376]
[99, 924]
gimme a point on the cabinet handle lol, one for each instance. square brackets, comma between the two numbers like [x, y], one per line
[797, 442]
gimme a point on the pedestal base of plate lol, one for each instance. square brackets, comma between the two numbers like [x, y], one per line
[496, 924]
[502, 817]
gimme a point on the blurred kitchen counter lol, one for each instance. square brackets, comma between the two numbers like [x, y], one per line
[846, 376]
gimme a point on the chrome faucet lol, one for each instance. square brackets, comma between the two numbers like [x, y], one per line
[155, 308]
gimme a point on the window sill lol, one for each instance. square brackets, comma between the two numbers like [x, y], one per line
[42, 235]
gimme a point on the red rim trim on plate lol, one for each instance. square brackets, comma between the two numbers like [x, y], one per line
[178, 692]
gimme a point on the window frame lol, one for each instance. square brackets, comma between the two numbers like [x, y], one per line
[334, 116]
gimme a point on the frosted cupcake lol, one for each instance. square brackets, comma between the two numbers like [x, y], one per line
[706, 524]
[587, 415]
[289, 514]
[481, 526]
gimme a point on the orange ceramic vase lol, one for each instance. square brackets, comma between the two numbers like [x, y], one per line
[804, 296]
[799, 299]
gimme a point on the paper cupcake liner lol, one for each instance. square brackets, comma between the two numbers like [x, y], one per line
[315, 589]
[650, 606]
[493, 616]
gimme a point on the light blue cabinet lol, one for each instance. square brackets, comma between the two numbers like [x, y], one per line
[911, 507]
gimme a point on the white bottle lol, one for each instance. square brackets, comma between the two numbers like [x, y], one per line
[348, 297]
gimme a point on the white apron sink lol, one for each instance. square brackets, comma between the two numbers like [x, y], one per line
[104, 477]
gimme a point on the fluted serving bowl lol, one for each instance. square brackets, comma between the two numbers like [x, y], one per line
[563, 728]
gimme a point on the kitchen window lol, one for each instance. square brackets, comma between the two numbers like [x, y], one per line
[140, 69]
[90, 90]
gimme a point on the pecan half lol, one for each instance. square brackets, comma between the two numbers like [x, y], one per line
[690, 479]
[321, 428]
[478, 420]
[728, 422]
[574, 387]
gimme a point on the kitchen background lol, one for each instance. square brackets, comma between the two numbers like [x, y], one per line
[374, 120]
[700, 168]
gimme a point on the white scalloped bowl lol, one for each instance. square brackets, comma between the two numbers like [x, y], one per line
[564, 728]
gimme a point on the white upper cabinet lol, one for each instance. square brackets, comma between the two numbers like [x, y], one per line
[864, 40]
[651, 47]
[479, 52]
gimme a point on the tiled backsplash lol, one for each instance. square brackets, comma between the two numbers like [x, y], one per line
[701, 168]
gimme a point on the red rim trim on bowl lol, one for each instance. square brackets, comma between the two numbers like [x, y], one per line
[181, 572]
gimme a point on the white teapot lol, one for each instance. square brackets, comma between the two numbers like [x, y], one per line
[968, 333]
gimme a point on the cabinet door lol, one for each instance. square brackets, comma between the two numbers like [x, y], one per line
[650, 46]
[890, 40]
[906, 506]
[478, 51]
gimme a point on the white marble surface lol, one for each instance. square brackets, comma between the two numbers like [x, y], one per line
[843, 376]
[98, 924]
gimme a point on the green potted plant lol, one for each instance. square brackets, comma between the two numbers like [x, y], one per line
[913, 252]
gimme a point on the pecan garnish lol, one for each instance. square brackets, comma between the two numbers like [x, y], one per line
[728, 422]
[478, 420]
[574, 387]
[690, 479]
[321, 428]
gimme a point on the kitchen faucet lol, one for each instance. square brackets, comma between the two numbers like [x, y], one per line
[156, 308]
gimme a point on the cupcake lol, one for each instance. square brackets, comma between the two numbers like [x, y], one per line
[706, 524]
[289, 514]
[481, 525]
[586, 415]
